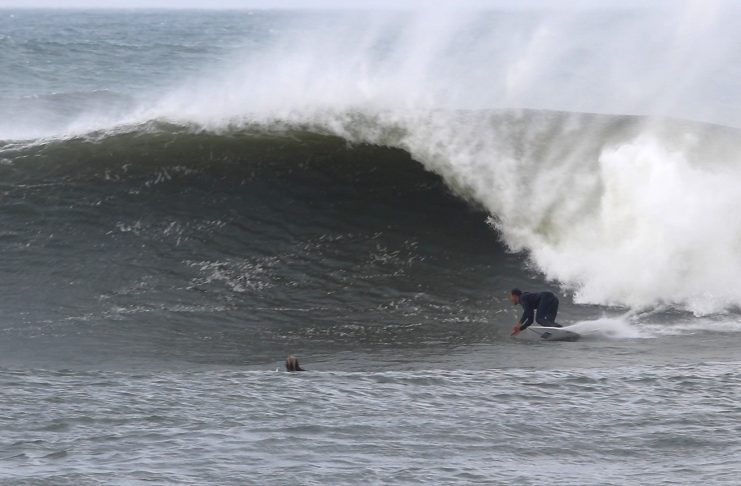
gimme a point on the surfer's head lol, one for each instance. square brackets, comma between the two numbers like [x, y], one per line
[514, 296]
[292, 364]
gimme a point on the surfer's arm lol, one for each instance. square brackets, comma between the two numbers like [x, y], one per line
[525, 320]
[527, 317]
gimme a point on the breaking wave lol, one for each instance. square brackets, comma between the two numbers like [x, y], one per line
[635, 211]
[622, 210]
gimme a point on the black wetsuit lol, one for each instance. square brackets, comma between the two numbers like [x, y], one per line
[542, 307]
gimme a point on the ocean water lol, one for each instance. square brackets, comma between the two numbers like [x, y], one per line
[187, 197]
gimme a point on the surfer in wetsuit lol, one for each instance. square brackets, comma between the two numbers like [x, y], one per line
[541, 307]
[292, 364]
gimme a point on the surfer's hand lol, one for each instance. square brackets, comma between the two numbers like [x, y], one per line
[515, 330]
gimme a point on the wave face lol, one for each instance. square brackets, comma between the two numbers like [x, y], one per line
[159, 241]
[278, 160]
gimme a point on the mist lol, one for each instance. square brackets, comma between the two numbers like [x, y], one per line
[678, 60]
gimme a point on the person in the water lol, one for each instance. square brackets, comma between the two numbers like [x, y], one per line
[540, 307]
[292, 364]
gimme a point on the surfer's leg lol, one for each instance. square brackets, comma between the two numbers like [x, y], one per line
[547, 311]
[552, 312]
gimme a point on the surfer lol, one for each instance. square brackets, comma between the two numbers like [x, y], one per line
[292, 364]
[541, 307]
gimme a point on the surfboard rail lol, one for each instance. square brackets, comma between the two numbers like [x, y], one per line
[542, 333]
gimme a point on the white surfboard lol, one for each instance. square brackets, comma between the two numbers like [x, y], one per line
[540, 333]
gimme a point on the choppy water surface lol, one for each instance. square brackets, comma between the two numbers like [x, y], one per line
[519, 426]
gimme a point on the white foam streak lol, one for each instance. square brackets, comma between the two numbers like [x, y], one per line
[722, 324]
[611, 328]
[629, 326]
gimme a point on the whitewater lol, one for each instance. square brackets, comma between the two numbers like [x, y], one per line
[187, 197]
